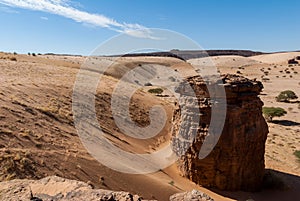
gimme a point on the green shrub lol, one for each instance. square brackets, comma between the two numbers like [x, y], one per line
[297, 154]
[270, 112]
[286, 96]
[156, 91]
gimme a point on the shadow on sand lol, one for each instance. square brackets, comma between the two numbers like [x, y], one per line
[285, 187]
[285, 123]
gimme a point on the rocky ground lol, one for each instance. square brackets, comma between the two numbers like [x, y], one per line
[59, 189]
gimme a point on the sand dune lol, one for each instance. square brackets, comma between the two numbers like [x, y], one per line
[277, 58]
[224, 61]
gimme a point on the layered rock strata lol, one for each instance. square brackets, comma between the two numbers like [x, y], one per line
[237, 160]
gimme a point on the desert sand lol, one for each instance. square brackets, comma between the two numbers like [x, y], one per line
[38, 137]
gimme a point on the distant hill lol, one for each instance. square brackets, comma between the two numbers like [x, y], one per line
[192, 54]
[154, 54]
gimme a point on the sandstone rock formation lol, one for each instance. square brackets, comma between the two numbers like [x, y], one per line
[237, 160]
[59, 189]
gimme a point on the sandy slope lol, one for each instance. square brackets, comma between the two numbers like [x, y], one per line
[38, 137]
[36, 126]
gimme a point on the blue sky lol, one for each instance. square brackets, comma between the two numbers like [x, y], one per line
[79, 26]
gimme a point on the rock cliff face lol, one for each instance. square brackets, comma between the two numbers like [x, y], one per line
[237, 160]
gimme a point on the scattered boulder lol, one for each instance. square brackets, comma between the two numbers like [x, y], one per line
[148, 84]
[293, 61]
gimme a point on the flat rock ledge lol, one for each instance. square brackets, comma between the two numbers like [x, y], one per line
[55, 188]
[194, 195]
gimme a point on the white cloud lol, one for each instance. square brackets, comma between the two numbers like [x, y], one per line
[63, 8]
[141, 33]
[44, 18]
[7, 9]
